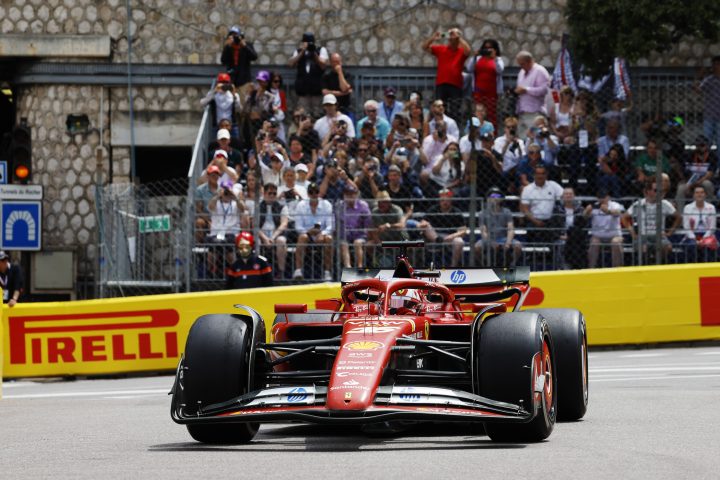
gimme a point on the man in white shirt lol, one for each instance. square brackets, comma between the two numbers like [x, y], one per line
[314, 223]
[699, 224]
[324, 126]
[537, 203]
[644, 212]
[605, 229]
[437, 114]
[510, 148]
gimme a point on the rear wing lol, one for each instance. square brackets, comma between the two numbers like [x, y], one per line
[461, 277]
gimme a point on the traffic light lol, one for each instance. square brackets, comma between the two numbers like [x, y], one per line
[21, 155]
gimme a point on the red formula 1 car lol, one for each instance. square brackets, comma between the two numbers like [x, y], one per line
[401, 346]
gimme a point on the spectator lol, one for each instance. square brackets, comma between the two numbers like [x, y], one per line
[356, 223]
[480, 113]
[487, 67]
[252, 191]
[224, 102]
[388, 224]
[309, 138]
[619, 111]
[497, 232]
[437, 114]
[561, 116]
[302, 175]
[605, 229]
[539, 134]
[526, 168]
[533, 83]
[700, 166]
[400, 191]
[646, 163]
[333, 182]
[290, 192]
[573, 236]
[273, 225]
[416, 117]
[314, 222]
[447, 171]
[249, 270]
[237, 55]
[235, 142]
[613, 170]
[400, 131]
[710, 87]
[644, 212]
[382, 126]
[434, 144]
[220, 160]
[511, 149]
[446, 224]
[390, 106]
[537, 204]
[367, 134]
[11, 280]
[489, 163]
[325, 125]
[699, 222]
[298, 115]
[309, 60]
[260, 104]
[336, 82]
[298, 156]
[224, 142]
[271, 164]
[450, 61]
[362, 154]
[368, 180]
[276, 82]
[227, 216]
[203, 193]
[612, 137]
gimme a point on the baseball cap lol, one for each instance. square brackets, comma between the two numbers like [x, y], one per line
[329, 99]
[308, 37]
[301, 167]
[263, 75]
[274, 122]
[213, 169]
[3, 255]
[223, 78]
[350, 188]
[394, 168]
[277, 156]
[390, 92]
[331, 164]
[220, 153]
[445, 193]
[313, 188]
[495, 192]
[223, 133]
[226, 184]
[236, 30]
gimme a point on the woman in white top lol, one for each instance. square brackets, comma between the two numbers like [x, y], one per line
[447, 171]
[561, 115]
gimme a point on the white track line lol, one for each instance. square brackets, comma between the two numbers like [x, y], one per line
[106, 393]
[675, 368]
[657, 377]
[643, 355]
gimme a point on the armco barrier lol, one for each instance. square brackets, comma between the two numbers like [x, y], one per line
[622, 306]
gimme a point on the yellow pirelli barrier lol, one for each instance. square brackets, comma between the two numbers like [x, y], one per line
[127, 334]
[622, 306]
[637, 305]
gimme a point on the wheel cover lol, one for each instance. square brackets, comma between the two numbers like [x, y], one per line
[583, 365]
[546, 367]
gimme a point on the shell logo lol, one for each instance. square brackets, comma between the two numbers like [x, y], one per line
[364, 345]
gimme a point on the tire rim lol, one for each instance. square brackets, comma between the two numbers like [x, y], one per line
[547, 371]
[584, 366]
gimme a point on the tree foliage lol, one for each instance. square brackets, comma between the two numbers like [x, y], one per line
[603, 29]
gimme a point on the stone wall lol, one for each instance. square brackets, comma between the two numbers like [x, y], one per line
[366, 32]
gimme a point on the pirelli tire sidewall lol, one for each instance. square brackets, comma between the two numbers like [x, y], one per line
[569, 333]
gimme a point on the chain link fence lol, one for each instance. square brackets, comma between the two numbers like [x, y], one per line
[437, 171]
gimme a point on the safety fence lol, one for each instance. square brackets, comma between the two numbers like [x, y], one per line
[148, 249]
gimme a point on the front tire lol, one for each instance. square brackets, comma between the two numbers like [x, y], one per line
[216, 369]
[570, 340]
[514, 353]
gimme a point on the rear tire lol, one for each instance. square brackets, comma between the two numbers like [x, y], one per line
[513, 351]
[216, 370]
[569, 335]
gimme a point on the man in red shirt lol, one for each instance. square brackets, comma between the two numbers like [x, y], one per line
[450, 61]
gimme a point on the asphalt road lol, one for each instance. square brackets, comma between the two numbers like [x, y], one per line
[654, 414]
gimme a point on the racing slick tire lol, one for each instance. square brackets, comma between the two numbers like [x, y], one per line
[216, 361]
[569, 334]
[514, 351]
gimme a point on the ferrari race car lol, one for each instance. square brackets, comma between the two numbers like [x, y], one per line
[400, 346]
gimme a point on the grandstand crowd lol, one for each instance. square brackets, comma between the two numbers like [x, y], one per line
[316, 180]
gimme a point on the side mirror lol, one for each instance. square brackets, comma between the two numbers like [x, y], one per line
[291, 308]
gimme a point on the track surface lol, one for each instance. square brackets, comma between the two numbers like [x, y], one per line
[653, 414]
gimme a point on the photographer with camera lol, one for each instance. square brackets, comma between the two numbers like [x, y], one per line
[486, 69]
[337, 82]
[227, 216]
[382, 126]
[368, 180]
[539, 134]
[447, 171]
[489, 163]
[224, 102]
[533, 83]
[331, 121]
[237, 55]
[450, 61]
[310, 61]
[511, 149]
